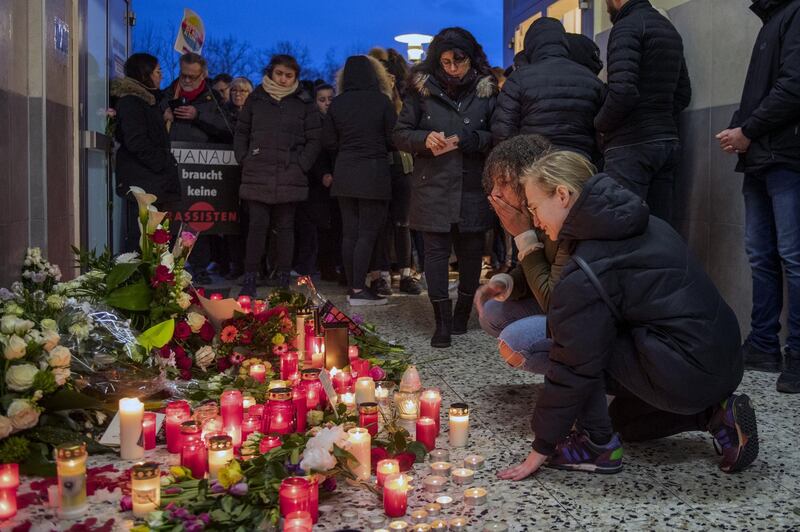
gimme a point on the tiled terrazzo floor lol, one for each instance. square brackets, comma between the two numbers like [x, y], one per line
[669, 484]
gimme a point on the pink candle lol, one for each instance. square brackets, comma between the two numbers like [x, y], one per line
[216, 296]
[177, 412]
[279, 415]
[310, 333]
[426, 432]
[430, 404]
[149, 430]
[341, 380]
[193, 457]
[293, 495]
[312, 386]
[298, 522]
[9, 476]
[256, 410]
[9, 481]
[250, 425]
[352, 353]
[289, 365]
[300, 409]
[313, 498]
[395, 495]
[260, 306]
[231, 408]
[244, 302]
[386, 467]
[268, 443]
[258, 372]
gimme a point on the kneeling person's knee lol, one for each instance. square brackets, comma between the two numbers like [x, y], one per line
[511, 357]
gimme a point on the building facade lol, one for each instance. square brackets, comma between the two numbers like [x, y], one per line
[718, 37]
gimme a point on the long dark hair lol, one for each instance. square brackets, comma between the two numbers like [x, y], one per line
[457, 39]
[140, 67]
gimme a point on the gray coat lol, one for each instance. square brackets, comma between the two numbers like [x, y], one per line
[447, 189]
[277, 143]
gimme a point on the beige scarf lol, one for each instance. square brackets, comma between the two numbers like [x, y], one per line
[276, 91]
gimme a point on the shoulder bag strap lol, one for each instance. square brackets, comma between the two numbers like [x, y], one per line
[597, 286]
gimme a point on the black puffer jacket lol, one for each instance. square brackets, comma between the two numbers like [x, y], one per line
[648, 84]
[212, 123]
[769, 113]
[447, 189]
[552, 96]
[276, 143]
[684, 334]
[143, 158]
[359, 128]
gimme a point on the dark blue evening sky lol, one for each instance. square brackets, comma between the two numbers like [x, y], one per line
[346, 25]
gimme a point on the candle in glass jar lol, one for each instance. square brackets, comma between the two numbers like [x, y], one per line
[419, 516]
[395, 495]
[462, 476]
[71, 468]
[256, 410]
[145, 488]
[216, 296]
[293, 495]
[381, 393]
[9, 482]
[250, 425]
[268, 443]
[407, 404]
[313, 497]
[279, 415]
[358, 444]
[190, 431]
[300, 330]
[258, 372]
[231, 408]
[194, 458]
[131, 412]
[341, 380]
[459, 424]
[244, 302]
[365, 390]
[312, 386]
[368, 417]
[475, 496]
[386, 467]
[149, 430]
[247, 402]
[212, 426]
[349, 400]
[220, 452]
[441, 468]
[317, 352]
[352, 353]
[300, 410]
[430, 403]
[298, 522]
[177, 412]
[289, 365]
[426, 432]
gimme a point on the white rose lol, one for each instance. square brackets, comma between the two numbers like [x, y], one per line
[23, 414]
[204, 357]
[20, 377]
[195, 320]
[23, 326]
[168, 260]
[60, 357]
[8, 323]
[61, 375]
[126, 258]
[50, 339]
[48, 325]
[317, 459]
[33, 336]
[184, 301]
[15, 348]
[6, 427]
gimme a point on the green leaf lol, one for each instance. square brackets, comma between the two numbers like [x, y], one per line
[157, 336]
[418, 449]
[121, 273]
[38, 464]
[227, 504]
[136, 297]
[66, 399]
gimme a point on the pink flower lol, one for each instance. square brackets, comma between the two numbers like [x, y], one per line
[377, 373]
[188, 239]
[162, 275]
[228, 334]
[160, 236]
[280, 349]
[237, 358]
[126, 503]
[207, 332]
[182, 330]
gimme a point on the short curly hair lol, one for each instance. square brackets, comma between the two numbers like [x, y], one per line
[511, 159]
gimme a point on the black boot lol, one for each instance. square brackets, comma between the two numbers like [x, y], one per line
[461, 313]
[279, 280]
[757, 360]
[789, 380]
[249, 285]
[443, 314]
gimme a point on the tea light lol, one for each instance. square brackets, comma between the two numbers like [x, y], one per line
[386, 467]
[434, 483]
[268, 443]
[365, 390]
[247, 402]
[9, 482]
[438, 524]
[420, 527]
[474, 462]
[145, 488]
[293, 495]
[475, 496]
[348, 516]
[426, 432]
[439, 455]
[258, 372]
[349, 400]
[459, 424]
[149, 430]
[194, 458]
[395, 496]
[458, 523]
[71, 468]
[376, 521]
[131, 414]
[298, 521]
[220, 452]
[398, 525]
[358, 444]
[441, 468]
[381, 393]
[216, 296]
[341, 380]
[462, 476]
[433, 509]
[445, 501]
[407, 404]
[430, 403]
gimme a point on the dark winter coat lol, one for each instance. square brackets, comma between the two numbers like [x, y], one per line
[551, 96]
[317, 191]
[769, 113]
[648, 84]
[359, 129]
[680, 332]
[276, 143]
[212, 123]
[447, 189]
[143, 158]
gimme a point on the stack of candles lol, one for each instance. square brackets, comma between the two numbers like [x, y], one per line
[9, 482]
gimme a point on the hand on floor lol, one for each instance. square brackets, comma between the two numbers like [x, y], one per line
[525, 469]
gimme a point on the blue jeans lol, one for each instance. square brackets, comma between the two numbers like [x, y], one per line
[522, 330]
[772, 240]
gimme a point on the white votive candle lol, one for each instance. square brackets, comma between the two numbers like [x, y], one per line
[358, 444]
[365, 390]
[131, 442]
[459, 424]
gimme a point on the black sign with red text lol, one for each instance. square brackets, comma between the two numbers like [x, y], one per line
[209, 177]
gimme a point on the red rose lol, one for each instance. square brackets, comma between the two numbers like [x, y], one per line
[162, 275]
[207, 332]
[186, 374]
[223, 364]
[246, 337]
[182, 330]
[160, 236]
[183, 362]
[179, 351]
[377, 454]
[406, 460]
[165, 351]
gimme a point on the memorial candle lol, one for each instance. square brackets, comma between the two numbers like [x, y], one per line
[386, 467]
[313, 497]
[190, 431]
[349, 400]
[300, 330]
[220, 452]
[250, 425]
[293, 495]
[462, 476]
[426, 432]
[365, 390]
[232, 410]
[9, 482]
[459, 424]
[268, 443]
[300, 410]
[244, 302]
[258, 372]
[149, 430]
[71, 468]
[395, 495]
[216, 296]
[247, 402]
[131, 412]
[279, 416]
[312, 386]
[430, 403]
[298, 522]
[341, 380]
[194, 457]
[352, 353]
[145, 488]
[256, 410]
[368, 417]
[289, 365]
[317, 352]
[177, 412]
[358, 444]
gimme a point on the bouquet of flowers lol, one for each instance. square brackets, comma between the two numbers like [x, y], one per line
[189, 347]
[265, 334]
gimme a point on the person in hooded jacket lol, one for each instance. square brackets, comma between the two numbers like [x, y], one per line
[277, 142]
[552, 95]
[144, 158]
[359, 129]
[632, 315]
[451, 92]
[765, 133]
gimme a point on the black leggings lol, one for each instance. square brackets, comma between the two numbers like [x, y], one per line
[362, 221]
[469, 251]
[277, 219]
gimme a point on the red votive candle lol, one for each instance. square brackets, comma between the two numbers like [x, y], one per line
[341, 380]
[260, 306]
[430, 404]
[250, 425]
[293, 495]
[352, 353]
[244, 302]
[317, 352]
[300, 410]
[298, 522]
[310, 333]
[268, 443]
[193, 457]
[258, 372]
[177, 412]
[216, 296]
[395, 495]
[9, 482]
[312, 386]
[386, 467]
[256, 410]
[313, 498]
[426, 432]
[231, 408]
[289, 365]
[368, 417]
[279, 415]
[149, 430]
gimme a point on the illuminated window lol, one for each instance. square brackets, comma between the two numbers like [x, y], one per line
[568, 12]
[519, 33]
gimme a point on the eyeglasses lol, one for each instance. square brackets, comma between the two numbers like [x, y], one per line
[244, 91]
[446, 63]
[187, 77]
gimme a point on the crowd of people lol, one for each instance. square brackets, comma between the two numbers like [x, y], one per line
[409, 168]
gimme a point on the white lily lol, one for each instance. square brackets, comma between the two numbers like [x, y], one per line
[154, 219]
[143, 199]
